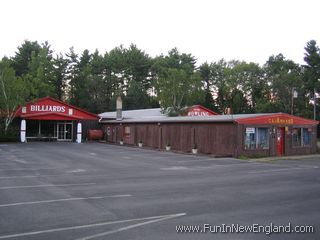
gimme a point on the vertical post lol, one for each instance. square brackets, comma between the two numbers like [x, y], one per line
[314, 104]
[294, 94]
[23, 131]
[119, 108]
[292, 101]
[39, 128]
[79, 132]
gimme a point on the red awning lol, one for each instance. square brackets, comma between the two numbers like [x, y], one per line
[277, 119]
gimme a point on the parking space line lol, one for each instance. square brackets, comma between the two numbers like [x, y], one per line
[47, 185]
[132, 226]
[35, 176]
[18, 161]
[162, 217]
[63, 200]
[27, 169]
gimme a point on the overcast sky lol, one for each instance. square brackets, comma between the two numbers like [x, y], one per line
[250, 30]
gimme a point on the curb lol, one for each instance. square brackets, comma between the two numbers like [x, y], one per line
[299, 157]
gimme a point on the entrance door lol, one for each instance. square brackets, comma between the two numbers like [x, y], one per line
[64, 131]
[280, 141]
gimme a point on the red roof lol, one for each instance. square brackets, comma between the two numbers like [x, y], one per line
[48, 108]
[198, 110]
[277, 119]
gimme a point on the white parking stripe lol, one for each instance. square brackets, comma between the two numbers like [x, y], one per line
[62, 200]
[27, 169]
[35, 176]
[47, 185]
[132, 226]
[163, 217]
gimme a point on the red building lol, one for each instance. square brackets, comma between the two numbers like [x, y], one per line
[50, 119]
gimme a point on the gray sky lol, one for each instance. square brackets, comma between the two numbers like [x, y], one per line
[250, 30]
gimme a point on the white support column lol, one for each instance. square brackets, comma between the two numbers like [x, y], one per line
[79, 132]
[23, 131]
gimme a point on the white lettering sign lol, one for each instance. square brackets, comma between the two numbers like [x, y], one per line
[192, 114]
[250, 130]
[47, 108]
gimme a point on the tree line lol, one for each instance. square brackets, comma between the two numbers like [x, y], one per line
[93, 81]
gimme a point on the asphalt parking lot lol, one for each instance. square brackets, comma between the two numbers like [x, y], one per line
[100, 191]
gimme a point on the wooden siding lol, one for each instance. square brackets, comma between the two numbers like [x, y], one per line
[216, 139]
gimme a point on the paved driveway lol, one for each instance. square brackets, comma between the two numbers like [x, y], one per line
[98, 191]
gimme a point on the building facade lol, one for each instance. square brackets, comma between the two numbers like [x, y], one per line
[252, 135]
[48, 119]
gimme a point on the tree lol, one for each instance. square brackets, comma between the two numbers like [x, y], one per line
[312, 69]
[34, 64]
[12, 93]
[230, 87]
[249, 78]
[71, 73]
[21, 60]
[40, 76]
[176, 82]
[205, 73]
[138, 98]
[79, 95]
[60, 76]
[176, 89]
[211, 75]
[137, 68]
[283, 76]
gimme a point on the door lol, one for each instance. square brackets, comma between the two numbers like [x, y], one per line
[64, 131]
[68, 131]
[280, 141]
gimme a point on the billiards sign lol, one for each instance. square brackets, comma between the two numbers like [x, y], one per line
[47, 108]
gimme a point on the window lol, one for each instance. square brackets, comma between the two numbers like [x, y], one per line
[306, 136]
[296, 137]
[257, 138]
[301, 137]
[263, 138]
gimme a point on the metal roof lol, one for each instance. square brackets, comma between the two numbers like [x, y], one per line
[134, 114]
[155, 115]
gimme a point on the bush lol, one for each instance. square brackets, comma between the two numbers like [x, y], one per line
[12, 135]
[9, 139]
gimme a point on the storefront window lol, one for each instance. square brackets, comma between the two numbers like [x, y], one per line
[306, 136]
[257, 138]
[250, 139]
[296, 137]
[301, 137]
[263, 138]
